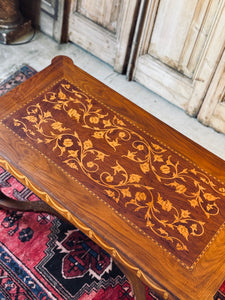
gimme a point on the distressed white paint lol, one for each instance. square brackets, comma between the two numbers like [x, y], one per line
[103, 28]
[161, 65]
[212, 112]
[103, 12]
[171, 29]
[51, 18]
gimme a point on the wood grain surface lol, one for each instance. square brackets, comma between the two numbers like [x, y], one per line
[74, 201]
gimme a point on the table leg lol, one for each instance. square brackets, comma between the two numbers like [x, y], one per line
[34, 206]
[138, 286]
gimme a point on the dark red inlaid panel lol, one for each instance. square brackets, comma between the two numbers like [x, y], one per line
[167, 197]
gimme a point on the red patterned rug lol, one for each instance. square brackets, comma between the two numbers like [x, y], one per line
[42, 257]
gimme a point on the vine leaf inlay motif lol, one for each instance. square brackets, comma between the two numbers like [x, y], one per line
[133, 170]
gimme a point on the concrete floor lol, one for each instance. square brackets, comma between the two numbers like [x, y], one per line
[39, 52]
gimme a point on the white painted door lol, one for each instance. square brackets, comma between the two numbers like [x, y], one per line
[104, 28]
[51, 18]
[212, 112]
[180, 45]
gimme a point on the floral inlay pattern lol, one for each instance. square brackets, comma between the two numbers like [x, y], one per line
[161, 193]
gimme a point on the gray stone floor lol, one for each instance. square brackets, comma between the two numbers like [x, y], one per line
[39, 52]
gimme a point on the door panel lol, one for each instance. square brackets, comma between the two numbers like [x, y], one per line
[212, 112]
[46, 15]
[171, 28]
[104, 28]
[180, 46]
[104, 13]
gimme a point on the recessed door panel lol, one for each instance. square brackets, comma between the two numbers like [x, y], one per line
[180, 45]
[104, 28]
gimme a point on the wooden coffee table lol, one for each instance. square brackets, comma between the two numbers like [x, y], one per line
[152, 198]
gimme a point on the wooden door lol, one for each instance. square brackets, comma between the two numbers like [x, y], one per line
[104, 28]
[180, 46]
[46, 15]
[212, 112]
[52, 21]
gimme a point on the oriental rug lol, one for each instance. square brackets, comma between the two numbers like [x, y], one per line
[16, 78]
[42, 257]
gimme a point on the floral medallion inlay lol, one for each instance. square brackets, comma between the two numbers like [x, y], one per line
[161, 193]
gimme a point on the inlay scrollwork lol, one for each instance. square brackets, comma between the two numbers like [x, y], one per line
[168, 197]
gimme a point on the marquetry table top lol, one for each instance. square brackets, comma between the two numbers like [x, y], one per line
[148, 195]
